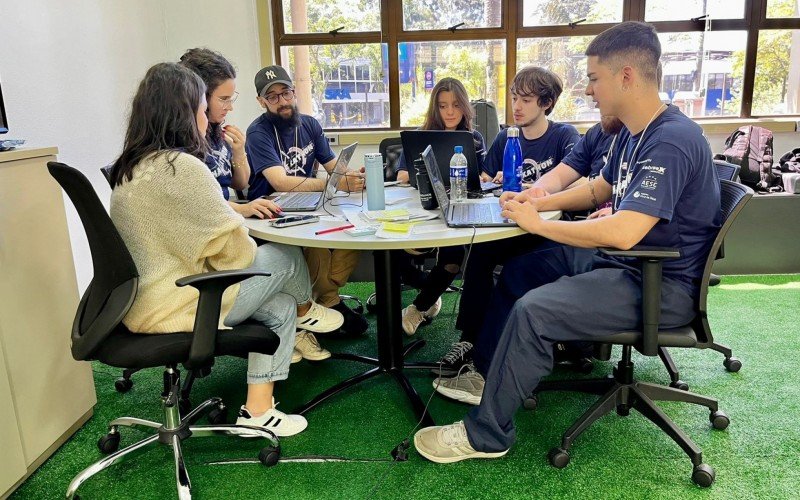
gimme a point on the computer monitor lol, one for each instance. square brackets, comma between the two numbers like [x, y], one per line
[442, 143]
[3, 120]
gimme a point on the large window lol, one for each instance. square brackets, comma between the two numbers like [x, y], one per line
[372, 63]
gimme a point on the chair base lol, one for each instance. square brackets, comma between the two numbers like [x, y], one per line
[171, 433]
[621, 393]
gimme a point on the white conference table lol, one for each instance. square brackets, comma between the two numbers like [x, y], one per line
[391, 351]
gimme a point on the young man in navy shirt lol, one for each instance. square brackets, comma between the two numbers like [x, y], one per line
[664, 190]
[584, 160]
[544, 143]
[282, 146]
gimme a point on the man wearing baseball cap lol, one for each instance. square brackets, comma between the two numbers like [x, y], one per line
[282, 147]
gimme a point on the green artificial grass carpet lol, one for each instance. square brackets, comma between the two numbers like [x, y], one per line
[756, 457]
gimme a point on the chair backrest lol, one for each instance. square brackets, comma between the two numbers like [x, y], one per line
[113, 288]
[727, 171]
[106, 171]
[391, 149]
[733, 198]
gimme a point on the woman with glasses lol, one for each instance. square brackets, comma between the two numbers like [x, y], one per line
[226, 159]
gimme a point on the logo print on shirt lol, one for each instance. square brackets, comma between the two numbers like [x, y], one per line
[294, 160]
[221, 166]
[531, 170]
[649, 182]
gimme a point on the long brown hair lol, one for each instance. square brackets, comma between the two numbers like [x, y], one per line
[163, 119]
[433, 120]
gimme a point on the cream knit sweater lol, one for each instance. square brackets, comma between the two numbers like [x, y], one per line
[176, 223]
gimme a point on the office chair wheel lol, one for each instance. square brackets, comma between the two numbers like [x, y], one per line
[558, 457]
[719, 420]
[218, 416]
[584, 365]
[109, 443]
[372, 304]
[703, 475]
[531, 402]
[124, 385]
[679, 384]
[732, 364]
[269, 455]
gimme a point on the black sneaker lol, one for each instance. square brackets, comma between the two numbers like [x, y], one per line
[458, 355]
[354, 323]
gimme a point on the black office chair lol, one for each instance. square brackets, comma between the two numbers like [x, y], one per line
[729, 172]
[390, 149]
[98, 334]
[623, 392]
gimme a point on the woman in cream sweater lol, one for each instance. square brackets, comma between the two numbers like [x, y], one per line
[167, 207]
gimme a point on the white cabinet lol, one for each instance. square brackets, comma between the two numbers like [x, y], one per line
[46, 394]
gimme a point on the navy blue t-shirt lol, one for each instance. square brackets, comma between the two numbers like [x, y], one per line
[589, 155]
[218, 161]
[671, 176]
[480, 153]
[296, 148]
[540, 155]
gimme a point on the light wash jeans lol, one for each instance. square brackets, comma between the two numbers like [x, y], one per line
[272, 300]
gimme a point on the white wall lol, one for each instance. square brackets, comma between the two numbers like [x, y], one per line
[69, 71]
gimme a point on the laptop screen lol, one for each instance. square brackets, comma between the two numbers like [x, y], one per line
[339, 170]
[443, 142]
[436, 180]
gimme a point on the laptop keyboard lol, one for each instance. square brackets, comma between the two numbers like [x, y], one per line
[298, 199]
[474, 213]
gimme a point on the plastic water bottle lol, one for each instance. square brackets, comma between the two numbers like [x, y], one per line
[512, 162]
[458, 175]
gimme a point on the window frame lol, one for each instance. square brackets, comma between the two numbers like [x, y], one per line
[392, 33]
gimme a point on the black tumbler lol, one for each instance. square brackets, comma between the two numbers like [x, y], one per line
[426, 197]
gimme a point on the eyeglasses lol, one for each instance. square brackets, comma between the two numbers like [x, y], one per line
[287, 95]
[228, 101]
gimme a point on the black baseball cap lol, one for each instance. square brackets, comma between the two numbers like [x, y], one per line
[269, 76]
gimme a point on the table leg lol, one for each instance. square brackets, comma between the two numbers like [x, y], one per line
[391, 352]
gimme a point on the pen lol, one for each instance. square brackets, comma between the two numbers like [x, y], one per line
[333, 229]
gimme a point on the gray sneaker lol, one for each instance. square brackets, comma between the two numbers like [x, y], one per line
[448, 444]
[466, 387]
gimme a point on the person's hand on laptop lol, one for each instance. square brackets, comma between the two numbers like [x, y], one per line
[498, 178]
[523, 211]
[352, 181]
[260, 208]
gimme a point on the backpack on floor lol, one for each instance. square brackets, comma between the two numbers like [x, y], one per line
[751, 148]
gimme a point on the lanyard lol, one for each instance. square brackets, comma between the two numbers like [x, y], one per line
[625, 171]
[284, 155]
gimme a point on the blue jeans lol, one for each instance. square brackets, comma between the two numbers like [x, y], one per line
[272, 301]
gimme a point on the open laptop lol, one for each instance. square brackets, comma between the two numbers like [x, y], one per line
[443, 142]
[304, 201]
[469, 213]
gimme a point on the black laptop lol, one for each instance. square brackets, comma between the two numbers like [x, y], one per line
[443, 143]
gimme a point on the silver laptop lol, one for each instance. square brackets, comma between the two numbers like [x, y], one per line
[469, 213]
[304, 201]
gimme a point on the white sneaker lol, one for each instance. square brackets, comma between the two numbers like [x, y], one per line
[274, 420]
[412, 318]
[307, 345]
[448, 444]
[433, 311]
[466, 387]
[320, 319]
[296, 356]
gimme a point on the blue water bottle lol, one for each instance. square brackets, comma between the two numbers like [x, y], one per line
[512, 162]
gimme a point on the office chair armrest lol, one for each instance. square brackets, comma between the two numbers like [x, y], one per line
[652, 259]
[643, 252]
[211, 287]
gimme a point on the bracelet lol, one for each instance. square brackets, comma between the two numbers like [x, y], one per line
[235, 164]
[594, 197]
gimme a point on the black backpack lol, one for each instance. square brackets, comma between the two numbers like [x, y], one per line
[751, 148]
[790, 162]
